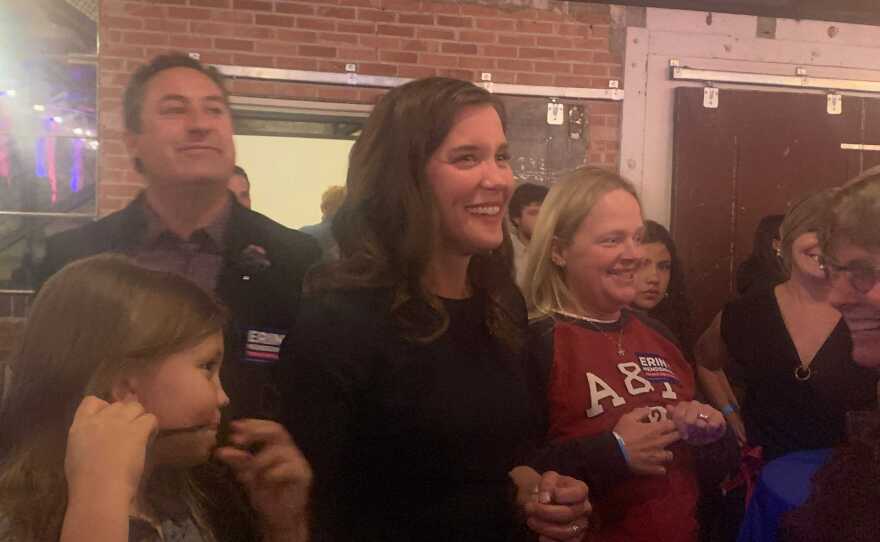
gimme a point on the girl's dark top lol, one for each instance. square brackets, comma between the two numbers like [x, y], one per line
[407, 441]
[753, 275]
[780, 413]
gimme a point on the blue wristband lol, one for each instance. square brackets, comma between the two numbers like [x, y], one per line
[728, 409]
[622, 445]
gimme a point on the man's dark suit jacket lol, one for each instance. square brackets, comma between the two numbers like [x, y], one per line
[261, 298]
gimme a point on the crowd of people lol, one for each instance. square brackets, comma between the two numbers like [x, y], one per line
[192, 371]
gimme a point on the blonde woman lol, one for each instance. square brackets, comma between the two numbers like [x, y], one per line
[794, 350]
[612, 374]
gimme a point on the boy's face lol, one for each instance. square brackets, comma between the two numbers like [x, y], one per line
[527, 219]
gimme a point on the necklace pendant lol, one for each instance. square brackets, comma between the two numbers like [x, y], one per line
[803, 373]
[620, 351]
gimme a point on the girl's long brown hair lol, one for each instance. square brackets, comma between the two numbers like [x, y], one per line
[91, 322]
[387, 223]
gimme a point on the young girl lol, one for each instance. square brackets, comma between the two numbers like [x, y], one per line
[113, 413]
[660, 287]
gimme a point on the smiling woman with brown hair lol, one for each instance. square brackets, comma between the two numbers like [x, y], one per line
[408, 385]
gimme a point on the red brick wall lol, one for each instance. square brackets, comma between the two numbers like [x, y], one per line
[565, 44]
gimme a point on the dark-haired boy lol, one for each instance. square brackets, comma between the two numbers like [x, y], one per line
[525, 203]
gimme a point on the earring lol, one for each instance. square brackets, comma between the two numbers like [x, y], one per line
[778, 252]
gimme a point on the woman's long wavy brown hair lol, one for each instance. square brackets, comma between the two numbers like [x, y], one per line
[387, 224]
[91, 322]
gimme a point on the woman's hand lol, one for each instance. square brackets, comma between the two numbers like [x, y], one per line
[698, 423]
[646, 441]
[557, 507]
[276, 476]
[106, 449]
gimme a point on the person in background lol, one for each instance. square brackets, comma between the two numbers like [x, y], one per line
[660, 285]
[331, 200]
[794, 348]
[843, 502]
[111, 426]
[240, 186]
[178, 130]
[525, 204]
[763, 268]
[618, 391]
[408, 386]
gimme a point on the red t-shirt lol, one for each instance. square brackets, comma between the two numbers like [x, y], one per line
[591, 387]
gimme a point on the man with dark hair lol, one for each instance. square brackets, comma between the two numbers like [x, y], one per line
[179, 135]
[240, 186]
[525, 203]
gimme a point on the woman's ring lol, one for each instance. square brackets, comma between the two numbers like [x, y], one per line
[702, 416]
[574, 528]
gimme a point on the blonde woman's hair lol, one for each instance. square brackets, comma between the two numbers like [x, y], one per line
[91, 322]
[569, 201]
[331, 200]
[805, 216]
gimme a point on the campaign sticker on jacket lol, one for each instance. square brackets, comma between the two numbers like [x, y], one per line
[262, 345]
[655, 368]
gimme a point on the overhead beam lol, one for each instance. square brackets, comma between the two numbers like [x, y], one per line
[684, 73]
[845, 11]
[379, 81]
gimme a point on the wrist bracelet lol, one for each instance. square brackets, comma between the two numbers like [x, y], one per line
[729, 409]
[622, 445]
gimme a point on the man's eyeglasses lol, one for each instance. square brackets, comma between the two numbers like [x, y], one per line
[862, 275]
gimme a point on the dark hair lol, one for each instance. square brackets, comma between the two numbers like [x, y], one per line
[674, 309]
[763, 266]
[525, 195]
[238, 170]
[133, 99]
[386, 225]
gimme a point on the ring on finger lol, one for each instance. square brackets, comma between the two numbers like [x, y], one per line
[574, 528]
[703, 417]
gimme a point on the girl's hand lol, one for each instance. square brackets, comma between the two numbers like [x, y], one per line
[559, 508]
[697, 423]
[275, 474]
[106, 448]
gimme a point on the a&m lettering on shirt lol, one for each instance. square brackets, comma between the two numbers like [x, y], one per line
[638, 378]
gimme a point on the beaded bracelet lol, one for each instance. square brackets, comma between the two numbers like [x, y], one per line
[729, 409]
